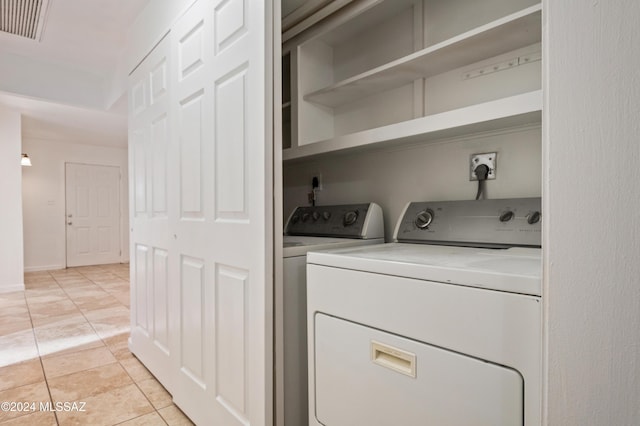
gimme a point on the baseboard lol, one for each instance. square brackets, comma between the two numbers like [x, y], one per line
[43, 268]
[11, 288]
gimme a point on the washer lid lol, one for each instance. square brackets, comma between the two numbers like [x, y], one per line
[299, 245]
[514, 270]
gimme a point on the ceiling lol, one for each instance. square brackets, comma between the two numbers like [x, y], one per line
[53, 121]
[84, 41]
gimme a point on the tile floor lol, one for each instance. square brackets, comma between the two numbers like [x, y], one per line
[64, 340]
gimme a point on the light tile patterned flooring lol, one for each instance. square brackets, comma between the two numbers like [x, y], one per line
[64, 339]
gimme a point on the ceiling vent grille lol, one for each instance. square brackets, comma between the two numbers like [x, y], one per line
[24, 18]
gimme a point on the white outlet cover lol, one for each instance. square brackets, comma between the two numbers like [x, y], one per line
[489, 159]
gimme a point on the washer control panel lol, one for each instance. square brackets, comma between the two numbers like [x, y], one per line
[349, 221]
[483, 223]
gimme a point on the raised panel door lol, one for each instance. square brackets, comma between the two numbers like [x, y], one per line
[151, 208]
[223, 150]
[93, 214]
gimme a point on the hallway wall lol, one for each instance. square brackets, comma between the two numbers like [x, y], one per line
[44, 198]
[11, 255]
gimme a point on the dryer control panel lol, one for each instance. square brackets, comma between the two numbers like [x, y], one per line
[483, 223]
[348, 221]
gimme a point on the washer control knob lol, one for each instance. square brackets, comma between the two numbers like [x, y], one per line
[305, 217]
[350, 218]
[326, 215]
[506, 216]
[424, 219]
[295, 218]
[533, 218]
[315, 216]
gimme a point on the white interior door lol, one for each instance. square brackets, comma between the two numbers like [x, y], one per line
[151, 208]
[223, 232]
[92, 214]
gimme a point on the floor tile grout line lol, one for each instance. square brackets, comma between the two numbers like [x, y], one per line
[27, 413]
[164, 423]
[68, 296]
[83, 315]
[109, 349]
[90, 324]
[89, 321]
[81, 311]
[136, 383]
[148, 399]
[35, 339]
[122, 366]
[86, 319]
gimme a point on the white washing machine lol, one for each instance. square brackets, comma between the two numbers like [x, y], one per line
[442, 327]
[311, 228]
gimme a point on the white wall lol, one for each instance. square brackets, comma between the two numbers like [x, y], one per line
[592, 208]
[44, 198]
[431, 172]
[11, 256]
[46, 80]
[150, 26]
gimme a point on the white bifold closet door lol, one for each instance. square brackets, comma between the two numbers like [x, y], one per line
[151, 212]
[202, 252]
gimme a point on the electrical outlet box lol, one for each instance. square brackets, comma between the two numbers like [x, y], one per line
[488, 159]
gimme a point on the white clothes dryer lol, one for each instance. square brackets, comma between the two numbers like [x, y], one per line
[311, 228]
[442, 327]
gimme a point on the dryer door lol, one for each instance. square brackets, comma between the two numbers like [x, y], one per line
[364, 376]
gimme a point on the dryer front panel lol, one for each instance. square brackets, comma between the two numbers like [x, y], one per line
[364, 376]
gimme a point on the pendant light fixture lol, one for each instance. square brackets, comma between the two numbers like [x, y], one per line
[25, 161]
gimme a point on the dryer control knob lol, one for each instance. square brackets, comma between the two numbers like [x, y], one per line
[305, 217]
[295, 218]
[533, 218]
[506, 216]
[350, 218]
[326, 215]
[315, 216]
[424, 219]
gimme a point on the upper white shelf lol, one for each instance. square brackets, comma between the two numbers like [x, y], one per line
[503, 113]
[517, 30]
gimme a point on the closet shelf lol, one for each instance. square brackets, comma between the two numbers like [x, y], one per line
[514, 31]
[503, 113]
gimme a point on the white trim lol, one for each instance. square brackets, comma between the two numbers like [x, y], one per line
[11, 288]
[43, 268]
[546, 210]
